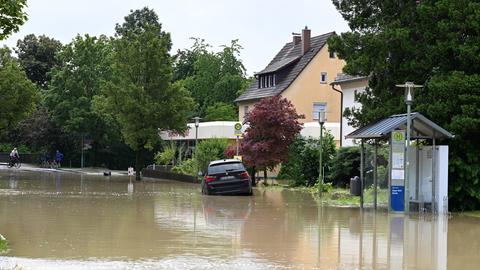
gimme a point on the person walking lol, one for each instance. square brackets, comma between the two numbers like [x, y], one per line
[58, 158]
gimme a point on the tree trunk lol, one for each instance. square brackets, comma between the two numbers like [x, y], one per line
[254, 182]
[265, 176]
[138, 166]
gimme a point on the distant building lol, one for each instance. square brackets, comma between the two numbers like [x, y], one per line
[301, 72]
[350, 86]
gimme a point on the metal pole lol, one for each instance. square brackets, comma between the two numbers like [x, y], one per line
[407, 159]
[237, 145]
[320, 178]
[361, 175]
[81, 156]
[375, 180]
[433, 174]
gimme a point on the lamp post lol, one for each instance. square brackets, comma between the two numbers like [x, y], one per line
[321, 121]
[197, 123]
[409, 87]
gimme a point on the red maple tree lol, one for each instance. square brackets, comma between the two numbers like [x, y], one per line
[273, 125]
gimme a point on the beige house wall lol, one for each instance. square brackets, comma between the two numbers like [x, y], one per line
[307, 89]
[241, 109]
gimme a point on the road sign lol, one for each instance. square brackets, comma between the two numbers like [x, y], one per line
[237, 129]
[130, 171]
[397, 188]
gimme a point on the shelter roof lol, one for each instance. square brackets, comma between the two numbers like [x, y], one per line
[422, 128]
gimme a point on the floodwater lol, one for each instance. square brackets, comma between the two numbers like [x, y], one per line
[75, 221]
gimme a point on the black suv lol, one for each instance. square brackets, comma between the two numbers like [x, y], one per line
[226, 176]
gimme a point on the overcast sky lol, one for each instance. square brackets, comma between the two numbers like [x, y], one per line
[262, 26]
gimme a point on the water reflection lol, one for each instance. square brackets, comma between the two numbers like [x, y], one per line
[101, 222]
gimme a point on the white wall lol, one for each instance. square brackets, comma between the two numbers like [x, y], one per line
[349, 102]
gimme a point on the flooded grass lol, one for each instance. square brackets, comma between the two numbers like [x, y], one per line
[3, 245]
[472, 214]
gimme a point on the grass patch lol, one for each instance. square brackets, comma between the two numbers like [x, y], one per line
[3, 245]
[471, 214]
[336, 196]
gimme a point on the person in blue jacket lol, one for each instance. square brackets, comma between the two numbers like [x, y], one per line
[58, 158]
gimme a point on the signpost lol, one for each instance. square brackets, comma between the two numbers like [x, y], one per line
[237, 131]
[397, 190]
[131, 172]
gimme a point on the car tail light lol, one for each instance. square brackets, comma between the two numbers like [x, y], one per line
[209, 178]
[244, 175]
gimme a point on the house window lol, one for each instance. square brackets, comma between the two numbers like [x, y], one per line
[323, 77]
[274, 79]
[245, 111]
[318, 107]
[331, 54]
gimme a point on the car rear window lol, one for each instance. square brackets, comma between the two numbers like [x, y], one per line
[223, 167]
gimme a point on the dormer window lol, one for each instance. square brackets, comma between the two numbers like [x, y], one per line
[267, 80]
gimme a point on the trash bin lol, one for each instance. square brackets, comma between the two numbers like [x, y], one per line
[355, 189]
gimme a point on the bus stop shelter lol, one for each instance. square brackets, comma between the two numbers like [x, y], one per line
[433, 165]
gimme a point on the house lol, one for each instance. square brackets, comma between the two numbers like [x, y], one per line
[348, 86]
[301, 72]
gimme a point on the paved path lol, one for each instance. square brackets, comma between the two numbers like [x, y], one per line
[89, 171]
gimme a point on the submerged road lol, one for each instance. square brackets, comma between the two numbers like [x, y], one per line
[71, 220]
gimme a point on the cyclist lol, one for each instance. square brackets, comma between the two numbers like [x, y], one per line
[14, 157]
[58, 158]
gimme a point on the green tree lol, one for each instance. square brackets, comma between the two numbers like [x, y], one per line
[209, 150]
[18, 94]
[38, 56]
[301, 167]
[221, 112]
[216, 77]
[428, 42]
[74, 85]
[11, 16]
[140, 95]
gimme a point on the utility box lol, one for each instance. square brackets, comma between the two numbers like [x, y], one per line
[355, 186]
[428, 187]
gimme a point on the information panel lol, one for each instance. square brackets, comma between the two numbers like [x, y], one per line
[397, 187]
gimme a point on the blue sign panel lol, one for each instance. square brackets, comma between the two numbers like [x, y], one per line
[397, 198]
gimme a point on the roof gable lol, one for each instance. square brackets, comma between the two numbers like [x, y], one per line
[285, 57]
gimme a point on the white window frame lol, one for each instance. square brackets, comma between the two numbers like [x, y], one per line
[245, 110]
[322, 76]
[315, 113]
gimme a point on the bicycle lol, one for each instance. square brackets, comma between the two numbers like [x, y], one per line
[14, 163]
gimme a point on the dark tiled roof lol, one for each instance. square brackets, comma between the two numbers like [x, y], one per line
[287, 53]
[279, 65]
[347, 78]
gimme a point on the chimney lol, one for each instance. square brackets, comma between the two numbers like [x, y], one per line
[305, 40]
[296, 38]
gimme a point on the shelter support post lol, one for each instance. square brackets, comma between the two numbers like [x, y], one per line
[375, 174]
[434, 156]
[362, 166]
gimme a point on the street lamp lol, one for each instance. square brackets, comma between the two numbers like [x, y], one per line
[409, 93]
[321, 121]
[197, 123]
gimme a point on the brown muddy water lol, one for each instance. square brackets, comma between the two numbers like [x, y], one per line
[74, 221]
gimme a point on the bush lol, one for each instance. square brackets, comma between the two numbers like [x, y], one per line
[208, 150]
[301, 168]
[167, 156]
[345, 165]
[188, 167]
